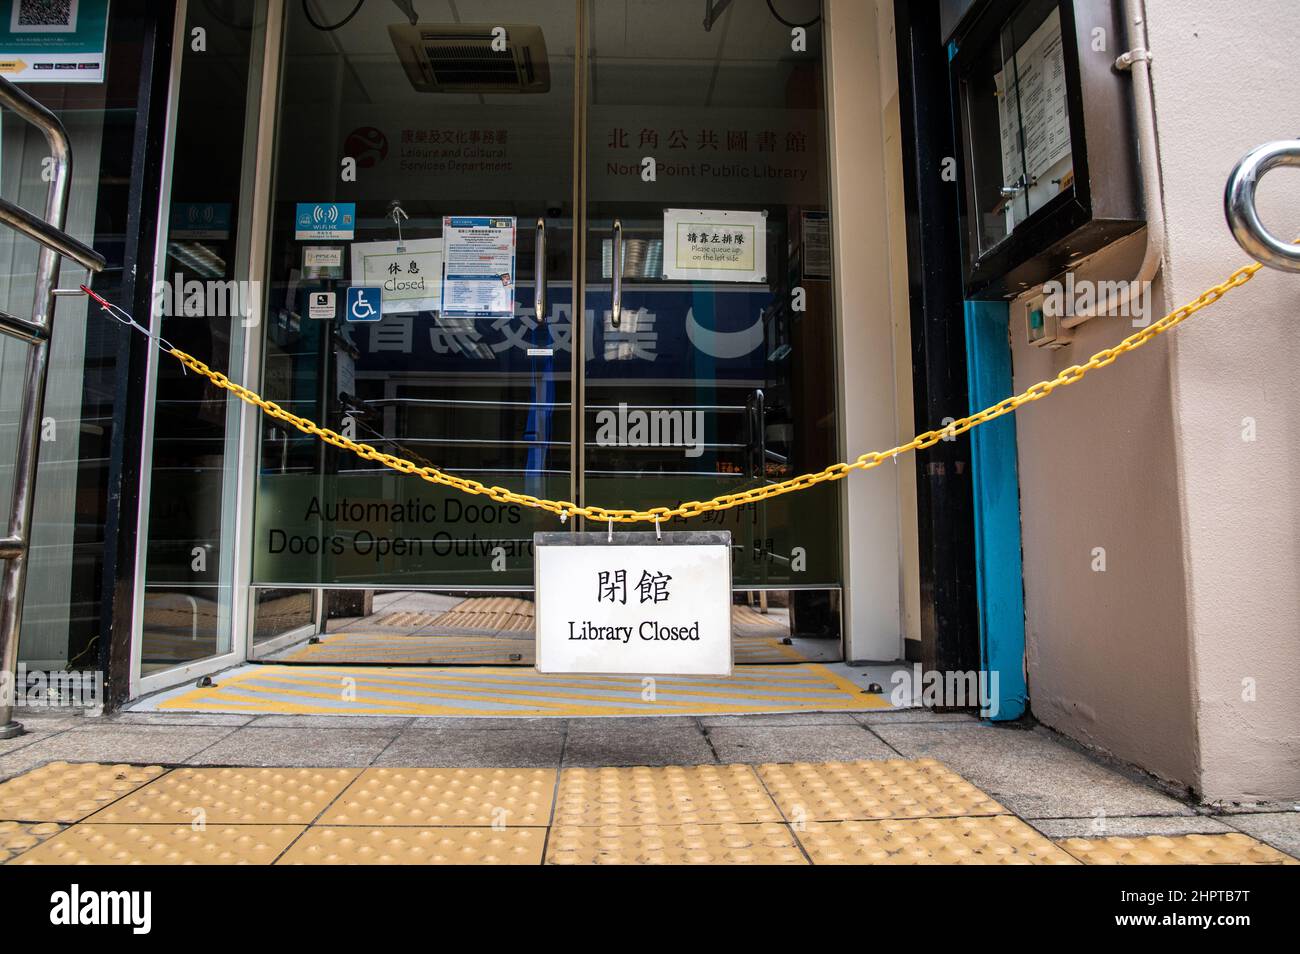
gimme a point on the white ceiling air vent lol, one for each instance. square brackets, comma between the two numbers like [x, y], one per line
[459, 58]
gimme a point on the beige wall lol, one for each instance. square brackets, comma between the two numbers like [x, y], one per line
[1106, 651]
[1201, 589]
[1224, 85]
[870, 262]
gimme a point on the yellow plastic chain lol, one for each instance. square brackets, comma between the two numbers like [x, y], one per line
[694, 508]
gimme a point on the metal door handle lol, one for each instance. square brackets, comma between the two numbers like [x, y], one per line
[755, 415]
[539, 273]
[616, 270]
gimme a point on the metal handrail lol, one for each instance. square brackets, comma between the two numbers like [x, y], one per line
[1243, 217]
[19, 219]
[55, 243]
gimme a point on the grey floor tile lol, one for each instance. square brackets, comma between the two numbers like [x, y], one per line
[1030, 772]
[1129, 826]
[598, 727]
[127, 743]
[31, 735]
[173, 718]
[1279, 829]
[502, 748]
[345, 748]
[20, 761]
[488, 723]
[621, 745]
[331, 722]
[890, 716]
[804, 743]
[779, 718]
[49, 720]
[1253, 808]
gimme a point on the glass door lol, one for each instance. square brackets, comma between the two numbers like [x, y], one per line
[710, 365]
[479, 172]
[403, 146]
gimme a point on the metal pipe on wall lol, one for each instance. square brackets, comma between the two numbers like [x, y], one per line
[1137, 60]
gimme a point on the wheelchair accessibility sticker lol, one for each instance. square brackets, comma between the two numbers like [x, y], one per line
[365, 303]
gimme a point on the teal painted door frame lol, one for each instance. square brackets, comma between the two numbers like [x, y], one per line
[996, 486]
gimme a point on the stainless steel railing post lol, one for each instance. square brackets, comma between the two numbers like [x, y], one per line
[54, 242]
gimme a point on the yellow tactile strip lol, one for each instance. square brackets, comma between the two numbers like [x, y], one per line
[497, 613]
[897, 788]
[163, 845]
[1232, 848]
[16, 837]
[976, 840]
[766, 843]
[68, 792]
[229, 796]
[675, 794]
[513, 691]
[450, 796]
[417, 846]
[895, 812]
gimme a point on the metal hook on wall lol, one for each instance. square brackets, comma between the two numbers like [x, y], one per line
[1243, 217]
[397, 214]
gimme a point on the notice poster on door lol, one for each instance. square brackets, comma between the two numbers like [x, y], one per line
[409, 272]
[716, 246]
[478, 266]
[816, 235]
[53, 41]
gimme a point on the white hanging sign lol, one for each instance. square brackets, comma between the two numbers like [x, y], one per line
[641, 604]
[715, 246]
[410, 273]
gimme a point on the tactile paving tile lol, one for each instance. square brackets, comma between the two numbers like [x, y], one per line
[446, 796]
[417, 846]
[1227, 849]
[15, 837]
[898, 788]
[767, 843]
[163, 845]
[227, 796]
[671, 795]
[68, 792]
[981, 840]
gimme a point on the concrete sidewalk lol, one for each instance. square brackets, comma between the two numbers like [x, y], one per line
[1051, 801]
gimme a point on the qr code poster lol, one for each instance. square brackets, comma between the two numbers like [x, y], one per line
[53, 41]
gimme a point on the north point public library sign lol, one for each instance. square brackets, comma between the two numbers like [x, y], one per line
[496, 153]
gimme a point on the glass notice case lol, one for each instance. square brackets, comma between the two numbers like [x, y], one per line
[1049, 165]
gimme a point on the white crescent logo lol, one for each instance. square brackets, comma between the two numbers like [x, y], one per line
[724, 344]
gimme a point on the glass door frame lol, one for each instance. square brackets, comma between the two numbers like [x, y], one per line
[243, 426]
[239, 500]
